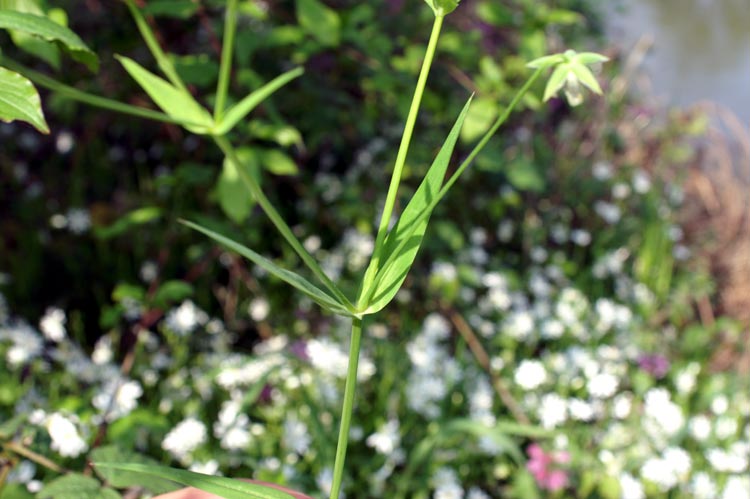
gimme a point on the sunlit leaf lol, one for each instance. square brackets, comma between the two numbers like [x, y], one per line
[295, 280]
[177, 103]
[403, 241]
[123, 479]
[221, 486]
[234, 198]
[19, 100]
[49, 30]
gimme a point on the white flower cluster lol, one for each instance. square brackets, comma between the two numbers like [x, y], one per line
[434, 371]
[184, 438]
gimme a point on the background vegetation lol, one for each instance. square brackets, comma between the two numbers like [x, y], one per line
[552, 340]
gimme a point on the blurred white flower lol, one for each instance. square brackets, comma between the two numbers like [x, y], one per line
[52, 324]
[185, 318]
[117, 398]
[210, 467]
[259, 309]
[580, 237]
[700, 427]
[662, 418]
[519, 325]
[641, 182]
[476, 493]
[725, 427]
[736, 487]
[602, 385]
[735, 460]
[659, 471]
[387, 439]
[602, 170]
[436, 327]
[324, 481]
[446, 485]
[631, 487]
[553, 410]
[609, 212]
[26, 343]
[65, 437]
[530, 374]
[79, 220]
[480, 402]
[702, 486]
[581, 410]
[296, 437]
[185, 438]
[719, 405]
[505, 231]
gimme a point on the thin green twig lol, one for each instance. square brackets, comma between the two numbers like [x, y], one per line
[227, 47]
[403, 150]
[347, 409]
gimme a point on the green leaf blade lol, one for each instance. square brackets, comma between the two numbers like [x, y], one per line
[320, 21]
[19, 100]
[238, 112]
[45, 28]
[221, 486]
[404, 240]
[322, 298]
[176, 103]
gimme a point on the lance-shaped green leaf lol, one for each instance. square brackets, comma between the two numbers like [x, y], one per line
[442, 7]
[19, 100]
[322, 298]
[221, 486]
[403, 241]
[177, 103]
[237, 112]
[49, 30]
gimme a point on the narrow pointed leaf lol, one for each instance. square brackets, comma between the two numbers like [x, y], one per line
[586, 77]
[556, 81]
[49, 30]
[403, 241]
[238, 112]
[590, 58]
[546, 61]
[19, 100]
[322, 298]
[221, 486]
[178, 104]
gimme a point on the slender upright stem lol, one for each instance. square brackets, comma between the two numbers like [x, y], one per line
[403, 149]
[279, 222]
[227, 48]
[347, 409]
[161, 58]
[87, 98]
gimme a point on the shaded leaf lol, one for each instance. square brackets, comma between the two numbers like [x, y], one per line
[403, 241]
[172, 291]
[278, 163]
[124, 223]
[181, 9]
[322, 22]
[234, 198]
[76, 486]
[221, 486]
[237, 112]
[295, 280]
[178, 104]
[19, 100]
[49, 30]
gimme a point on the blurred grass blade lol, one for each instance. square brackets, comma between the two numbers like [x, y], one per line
[318, 295]
[403, 241]
[49, 30]
[19, 100]
[221, 486]
[178, 104]
[237, 112]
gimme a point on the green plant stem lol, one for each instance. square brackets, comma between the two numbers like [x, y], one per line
[87, 98]
[403, 149]
[469, 159]
[161, 58]
[347, 409]
[227, 47]
[29, 454]
[279, 222]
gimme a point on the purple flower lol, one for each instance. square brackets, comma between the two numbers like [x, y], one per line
[655, 364]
